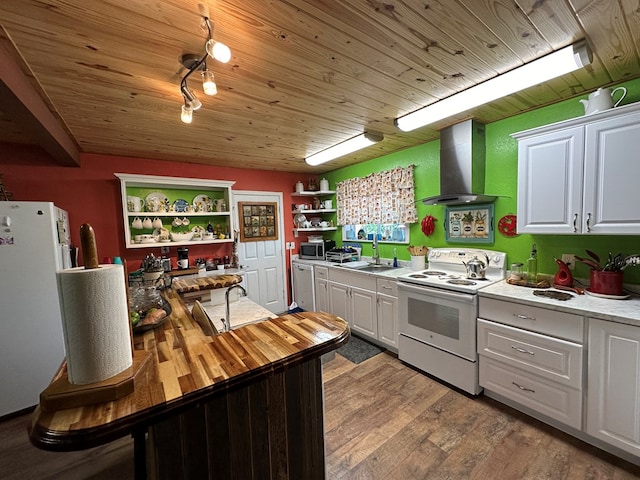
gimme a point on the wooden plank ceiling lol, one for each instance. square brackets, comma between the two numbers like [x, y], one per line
[304, 74]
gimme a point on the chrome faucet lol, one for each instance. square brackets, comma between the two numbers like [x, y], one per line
[376, 249]
[227, 316]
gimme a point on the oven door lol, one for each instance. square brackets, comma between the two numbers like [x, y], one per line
[441, 318]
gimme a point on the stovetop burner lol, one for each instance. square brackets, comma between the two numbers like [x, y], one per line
[447, 270]
[460, 281]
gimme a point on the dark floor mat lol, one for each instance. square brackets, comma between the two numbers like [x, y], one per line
[358, 350]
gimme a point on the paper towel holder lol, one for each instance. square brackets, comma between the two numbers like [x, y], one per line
[61, 393]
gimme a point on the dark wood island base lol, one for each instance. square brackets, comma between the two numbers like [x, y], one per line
[245, 404]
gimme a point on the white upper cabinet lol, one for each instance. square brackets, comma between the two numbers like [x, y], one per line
[578, 177]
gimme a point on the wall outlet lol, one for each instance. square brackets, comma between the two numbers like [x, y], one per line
[291, 245]
[164, 250]
[570, 260]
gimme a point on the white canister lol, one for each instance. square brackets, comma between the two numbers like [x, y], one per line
[324, 185]
[417, 262]
[299, 187]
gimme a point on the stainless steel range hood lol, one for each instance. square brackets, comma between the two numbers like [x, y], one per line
[462, 165]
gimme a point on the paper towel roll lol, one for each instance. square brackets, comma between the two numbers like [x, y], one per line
[95, 322]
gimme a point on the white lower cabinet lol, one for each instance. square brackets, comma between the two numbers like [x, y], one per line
[534, 369]
[321, 285]
[388, 312]
[363, 311]
[540, 372]
[613, 395]
[367, 303]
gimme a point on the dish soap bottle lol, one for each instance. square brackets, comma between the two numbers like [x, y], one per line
[532, 266]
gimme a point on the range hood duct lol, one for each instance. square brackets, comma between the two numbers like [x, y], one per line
[462, 165]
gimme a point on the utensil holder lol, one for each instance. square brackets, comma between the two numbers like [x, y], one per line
[417, 262]
[606, 283]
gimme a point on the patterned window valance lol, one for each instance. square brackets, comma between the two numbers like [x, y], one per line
[379, 198]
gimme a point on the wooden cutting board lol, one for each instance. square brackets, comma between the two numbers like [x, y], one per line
[205, 283]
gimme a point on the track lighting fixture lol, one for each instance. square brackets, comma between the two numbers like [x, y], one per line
[209, 83]
[194, 62]
[343, 148]
[218, 50]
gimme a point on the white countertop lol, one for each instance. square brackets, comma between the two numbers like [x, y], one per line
[241, 312]
[403, 267]
[622, 311]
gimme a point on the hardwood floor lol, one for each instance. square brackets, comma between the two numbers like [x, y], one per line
[385, 421]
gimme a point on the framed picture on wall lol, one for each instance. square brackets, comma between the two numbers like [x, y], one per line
[469, 224]
[258, 221]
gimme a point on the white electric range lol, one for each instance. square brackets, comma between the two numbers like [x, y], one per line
[437, 313]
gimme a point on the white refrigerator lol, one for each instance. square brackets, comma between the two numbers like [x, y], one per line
[34, 245]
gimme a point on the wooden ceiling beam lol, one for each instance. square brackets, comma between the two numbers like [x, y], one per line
[22, 103]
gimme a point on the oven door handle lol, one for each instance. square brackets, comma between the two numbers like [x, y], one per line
[437, 292]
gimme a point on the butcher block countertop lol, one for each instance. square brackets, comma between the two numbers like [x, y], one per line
[184, 285]
[187, 367]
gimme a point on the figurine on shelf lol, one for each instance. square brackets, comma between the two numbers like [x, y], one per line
[316, 203]
[313, 185]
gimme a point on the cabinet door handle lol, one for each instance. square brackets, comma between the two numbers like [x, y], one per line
[524, 389]
[588, 222]
[386, 287]
[523, 317]
[522, 350]
[575, 222]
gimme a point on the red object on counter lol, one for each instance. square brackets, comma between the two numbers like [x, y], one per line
[606, 283]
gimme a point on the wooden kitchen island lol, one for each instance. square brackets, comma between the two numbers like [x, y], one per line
[245, 404]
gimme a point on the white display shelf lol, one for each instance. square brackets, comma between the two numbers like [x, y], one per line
[216, 189]
[316, 193]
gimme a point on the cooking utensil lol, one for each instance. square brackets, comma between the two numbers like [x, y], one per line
[593, 255]
[579, 291]
[552, 294]
[417, 250]
[590, 263]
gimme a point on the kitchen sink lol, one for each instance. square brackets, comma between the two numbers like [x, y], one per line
[375, 268]
[364, 266]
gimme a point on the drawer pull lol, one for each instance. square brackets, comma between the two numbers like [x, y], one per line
[386, 287]
[524, 389]
[521, 350]
[523, 317]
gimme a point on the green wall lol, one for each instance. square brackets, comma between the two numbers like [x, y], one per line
[501, 179]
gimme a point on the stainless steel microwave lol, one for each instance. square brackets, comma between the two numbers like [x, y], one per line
[315, 250]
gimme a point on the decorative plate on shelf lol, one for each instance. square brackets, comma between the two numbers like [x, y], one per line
[154, 201]
[203, 203]
[180, 205]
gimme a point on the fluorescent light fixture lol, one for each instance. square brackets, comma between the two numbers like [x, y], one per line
[555, 64]
[343, 148]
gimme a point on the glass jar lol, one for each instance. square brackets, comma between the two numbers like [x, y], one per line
[516, 272]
